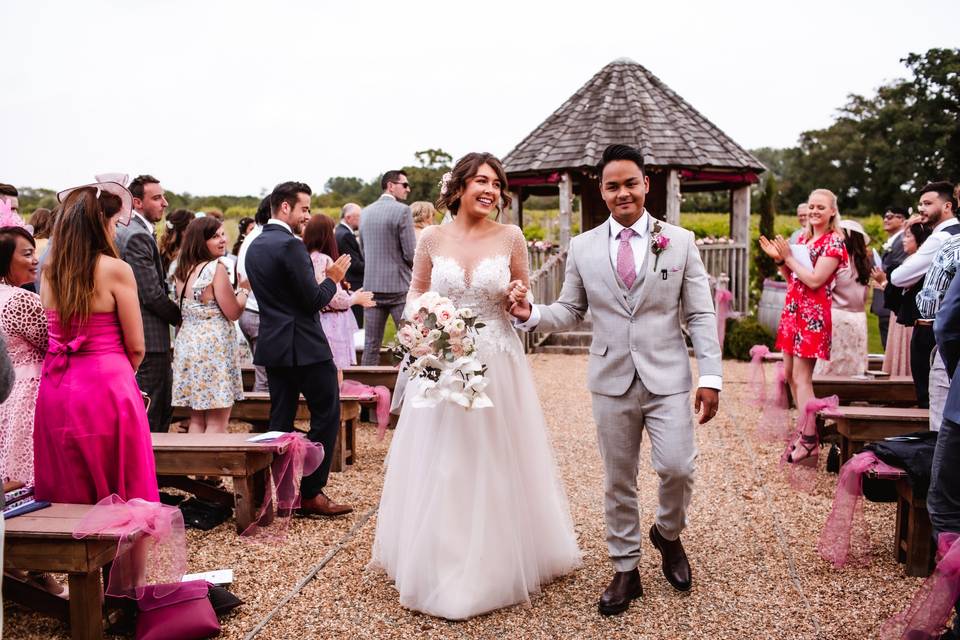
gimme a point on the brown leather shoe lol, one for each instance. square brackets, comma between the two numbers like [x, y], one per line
[676, 568]
[624, 588]
[321, 505]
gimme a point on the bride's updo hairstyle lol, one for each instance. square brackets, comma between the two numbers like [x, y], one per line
[467, 167]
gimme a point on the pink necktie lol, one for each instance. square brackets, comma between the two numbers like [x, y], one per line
[626, 266]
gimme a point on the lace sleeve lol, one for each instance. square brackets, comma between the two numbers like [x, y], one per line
[422, 263]
[24, 315]
[519, 261]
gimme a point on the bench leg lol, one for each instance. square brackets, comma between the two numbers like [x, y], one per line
[349, 434]
[845, 452]
[86, 620]
[919, 542]
[249, 493]
[900, 533]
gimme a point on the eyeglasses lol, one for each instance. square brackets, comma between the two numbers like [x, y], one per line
[405, 185]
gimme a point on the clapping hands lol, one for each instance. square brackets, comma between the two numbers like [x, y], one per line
[517, 303]
[778, 248]
[338, 269]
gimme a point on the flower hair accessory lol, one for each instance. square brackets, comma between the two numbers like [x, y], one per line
[168, 224]
[444, 181]
[658, 243]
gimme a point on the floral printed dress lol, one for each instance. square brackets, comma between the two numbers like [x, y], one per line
[805, 324]
[206, 357]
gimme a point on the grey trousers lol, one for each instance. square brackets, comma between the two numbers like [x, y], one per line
[250, 327]
[375, 321]
[621, 421]
[938, 387]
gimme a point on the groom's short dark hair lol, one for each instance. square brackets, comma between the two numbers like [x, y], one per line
[287, 192]
[620, 152]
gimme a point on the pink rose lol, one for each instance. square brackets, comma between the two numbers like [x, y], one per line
[662, 242]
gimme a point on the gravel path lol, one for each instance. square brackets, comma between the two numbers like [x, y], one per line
[751, 540]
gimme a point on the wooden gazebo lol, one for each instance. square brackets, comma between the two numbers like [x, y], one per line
[683, 152]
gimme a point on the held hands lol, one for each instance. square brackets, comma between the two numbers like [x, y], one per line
[364, 298]
[709, 400]
[517, 304]
[878, 276]
[338, 269]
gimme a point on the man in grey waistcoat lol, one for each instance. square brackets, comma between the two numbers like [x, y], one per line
[386, 227]
[640, 278]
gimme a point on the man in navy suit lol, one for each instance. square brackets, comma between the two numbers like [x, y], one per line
[291, 344]
[943, 499]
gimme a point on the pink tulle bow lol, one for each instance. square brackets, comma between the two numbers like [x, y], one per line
[382, 395]
[758, 375]
[774, 424]
[927, 615]
[58, 353]
[300, 457]
[802, 477]
[844, 534]
[151, 549]
[721, 301]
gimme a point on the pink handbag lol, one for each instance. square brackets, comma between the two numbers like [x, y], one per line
[183, 614]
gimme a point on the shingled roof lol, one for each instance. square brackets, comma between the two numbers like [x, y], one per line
[625, 103]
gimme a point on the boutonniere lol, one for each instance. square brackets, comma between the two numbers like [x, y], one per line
[658, 243]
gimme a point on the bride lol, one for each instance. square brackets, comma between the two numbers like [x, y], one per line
[473, 517]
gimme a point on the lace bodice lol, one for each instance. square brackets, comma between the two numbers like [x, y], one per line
[475, 275]
[24, 324]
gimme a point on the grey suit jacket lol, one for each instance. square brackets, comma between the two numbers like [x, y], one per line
[647, 340]
[386, 229]
[139, 249]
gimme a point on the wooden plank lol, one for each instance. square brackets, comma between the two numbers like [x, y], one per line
[191, 442]
[892, 390]
[373, 375]
[86, 620]
[673, 197]
[857, 426]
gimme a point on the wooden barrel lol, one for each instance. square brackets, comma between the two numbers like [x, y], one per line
[771, 304]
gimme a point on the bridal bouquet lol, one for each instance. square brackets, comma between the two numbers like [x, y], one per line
[439, 346]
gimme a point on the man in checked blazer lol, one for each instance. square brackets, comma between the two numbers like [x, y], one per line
[138, 247]
[386, 228]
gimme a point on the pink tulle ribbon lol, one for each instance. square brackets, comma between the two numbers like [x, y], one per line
[927, 615]
[721, 301]
[844, 535]
[774, 422]
[151, 549]
[300, 457]
[380, 393]
[802, 477]
[758, 375]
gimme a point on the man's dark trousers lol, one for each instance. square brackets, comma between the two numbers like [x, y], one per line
[319, 386]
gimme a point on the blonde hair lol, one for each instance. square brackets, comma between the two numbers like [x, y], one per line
[834, 225]
[424, 214]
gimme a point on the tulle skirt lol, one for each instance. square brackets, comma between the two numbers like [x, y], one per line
[473, 516]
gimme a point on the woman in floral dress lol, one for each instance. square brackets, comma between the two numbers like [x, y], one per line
[206, 357]
[805, 324]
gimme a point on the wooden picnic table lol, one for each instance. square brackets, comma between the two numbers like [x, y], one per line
[43, 541]
[373, 376]
[255, 409]
[874, 360]
[897, 391]
[857, 426]
[179, 455]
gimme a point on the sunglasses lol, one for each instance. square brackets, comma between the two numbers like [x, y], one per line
[405, 185]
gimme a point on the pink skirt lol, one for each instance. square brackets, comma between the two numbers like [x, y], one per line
[896, 359]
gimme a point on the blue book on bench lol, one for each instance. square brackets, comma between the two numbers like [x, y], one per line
[36, 505]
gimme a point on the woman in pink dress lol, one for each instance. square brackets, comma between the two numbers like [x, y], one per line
[91, 437]
[25, 328]
[805, 329]
[339, 323]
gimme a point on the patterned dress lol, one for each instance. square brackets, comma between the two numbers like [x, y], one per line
[206, 357]
[339, 323]
[24, 325]
[805, 324]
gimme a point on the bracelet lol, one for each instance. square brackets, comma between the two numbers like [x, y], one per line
[779, 263]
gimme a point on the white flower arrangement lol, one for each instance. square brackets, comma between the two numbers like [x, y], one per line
[439, 346]
[444, 181]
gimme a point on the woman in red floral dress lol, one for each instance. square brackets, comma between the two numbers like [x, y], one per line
[805, 327]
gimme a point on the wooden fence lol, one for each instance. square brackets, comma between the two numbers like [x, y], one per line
[545, 285]
[730, 260]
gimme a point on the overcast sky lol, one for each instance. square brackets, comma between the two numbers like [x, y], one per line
[233, 97]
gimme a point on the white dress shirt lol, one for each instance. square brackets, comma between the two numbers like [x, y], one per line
[639, 244]
[889, 243]
[251, 304]
[915, 267]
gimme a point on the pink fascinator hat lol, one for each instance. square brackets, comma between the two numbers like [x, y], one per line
[115, 183]
[10, 219]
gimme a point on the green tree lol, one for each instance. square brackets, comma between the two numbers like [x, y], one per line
[425, 176]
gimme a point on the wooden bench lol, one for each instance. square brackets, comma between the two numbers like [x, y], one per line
[255, 409]
[874, 360]
[179, 455]
[857, 426]
[372, 375]
[43, 541]
[913, 536]
[892, 391]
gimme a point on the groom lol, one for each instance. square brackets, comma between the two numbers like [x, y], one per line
[637, 275]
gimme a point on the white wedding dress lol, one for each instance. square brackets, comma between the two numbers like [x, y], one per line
[473, 516]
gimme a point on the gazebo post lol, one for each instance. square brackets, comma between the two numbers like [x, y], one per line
[673, 197]
[740, 230]
[566, 202]
[513, 214]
